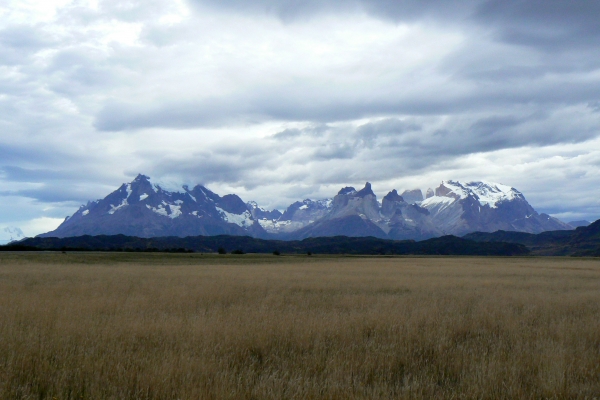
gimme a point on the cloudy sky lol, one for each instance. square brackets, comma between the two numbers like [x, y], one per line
[278, 100]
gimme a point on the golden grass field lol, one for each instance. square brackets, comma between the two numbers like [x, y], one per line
[156, 326]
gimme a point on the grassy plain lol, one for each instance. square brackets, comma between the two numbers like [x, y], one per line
[155, 326]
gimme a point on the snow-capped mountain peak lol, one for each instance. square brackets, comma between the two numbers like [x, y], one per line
[253, 204]
[166, 185]
[491, 194]
[486, 193]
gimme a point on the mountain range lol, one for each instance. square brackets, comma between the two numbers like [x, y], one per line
[145, 209]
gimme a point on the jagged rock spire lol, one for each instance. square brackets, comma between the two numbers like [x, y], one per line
[365, 191]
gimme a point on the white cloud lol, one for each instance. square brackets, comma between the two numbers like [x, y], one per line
[39, 225]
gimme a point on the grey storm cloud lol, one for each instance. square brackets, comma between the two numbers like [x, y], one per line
[118, 116]
[288, 133]
[549, 24]
[595, 106]
[421, 138]
[52, 194]
[387, 127]
[334, 151]
[23, 37]
[15, 156]
[19, 174]
[552, 25]
[19, 42]
[290, 10]
[311, 131]
[284, 103]
[236, 162]
[68, 185]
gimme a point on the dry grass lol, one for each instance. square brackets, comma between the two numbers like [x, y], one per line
[148, 326]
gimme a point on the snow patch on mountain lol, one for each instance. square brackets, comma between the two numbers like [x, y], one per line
[167, 185]
[437, 202]
[175, 211]
[144, 197]
[276, 226]
[322, 203]
[348, 190]
[254, 205]
[114, 208]
[486, 193]
[160, 210]
[326, 202]
[492, 194]
[243, 220]
[272, 225]
[206, 195]
[166, 210]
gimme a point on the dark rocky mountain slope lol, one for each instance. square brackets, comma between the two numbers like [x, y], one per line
[583, 241]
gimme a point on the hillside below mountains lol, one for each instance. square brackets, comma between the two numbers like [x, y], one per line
[446, 245]
[145, 209]
[583, 241]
